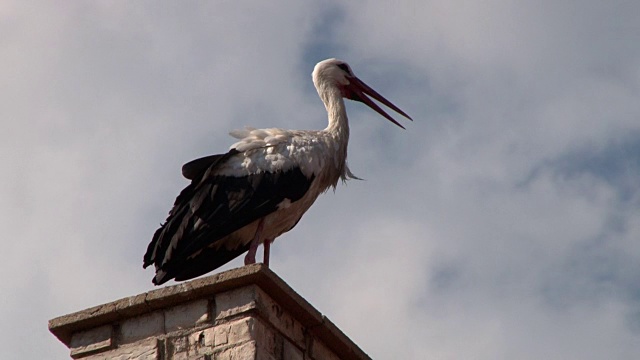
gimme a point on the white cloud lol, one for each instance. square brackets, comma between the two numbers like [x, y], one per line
[475, 235]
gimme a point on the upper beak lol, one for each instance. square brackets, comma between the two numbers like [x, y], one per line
[358, 90]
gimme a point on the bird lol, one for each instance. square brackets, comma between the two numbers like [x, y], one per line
[261, 187]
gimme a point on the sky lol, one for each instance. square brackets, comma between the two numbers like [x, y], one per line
[504, 223]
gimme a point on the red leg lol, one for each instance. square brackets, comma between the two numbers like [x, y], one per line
[251, 255]
[267, 250]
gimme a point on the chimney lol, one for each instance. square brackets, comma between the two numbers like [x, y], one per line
[244, 313]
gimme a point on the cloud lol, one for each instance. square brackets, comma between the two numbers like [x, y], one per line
[502, 224]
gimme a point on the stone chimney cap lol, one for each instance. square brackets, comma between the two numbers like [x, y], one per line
[257, 274]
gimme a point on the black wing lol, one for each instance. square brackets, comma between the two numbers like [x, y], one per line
[196, 168]
[212, 207]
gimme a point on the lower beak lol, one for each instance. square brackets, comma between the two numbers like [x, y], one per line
[359, 91]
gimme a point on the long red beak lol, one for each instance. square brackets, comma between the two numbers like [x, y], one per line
[357, 90]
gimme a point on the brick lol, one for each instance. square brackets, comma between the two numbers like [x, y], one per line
[260, 355]
[280, 319]
[221, 335]
[187, 315]
[246, 351]
[319, 351]
[201, 343]
[179, 344]
[91, 341]
[142, 350]
[267, 340]
[234, 302]
[249, 298]
[241, 330]
[291, 352]
[141, 327]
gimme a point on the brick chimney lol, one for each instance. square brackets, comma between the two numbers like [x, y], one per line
[244, 313]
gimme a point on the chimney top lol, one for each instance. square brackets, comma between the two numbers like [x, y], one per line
[207, 306]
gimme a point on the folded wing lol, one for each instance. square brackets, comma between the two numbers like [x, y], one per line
[211, 210]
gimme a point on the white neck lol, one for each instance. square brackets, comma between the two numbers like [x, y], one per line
[338, 126]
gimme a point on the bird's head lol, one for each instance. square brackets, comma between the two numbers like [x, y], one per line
[338, 74]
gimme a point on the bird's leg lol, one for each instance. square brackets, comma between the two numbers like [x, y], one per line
[267, 250]
[251, 255]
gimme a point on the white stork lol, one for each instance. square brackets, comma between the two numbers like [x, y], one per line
[260, 188]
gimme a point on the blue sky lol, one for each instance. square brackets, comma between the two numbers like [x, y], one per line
[503, 223]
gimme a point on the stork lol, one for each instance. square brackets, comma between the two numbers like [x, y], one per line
[261, 187]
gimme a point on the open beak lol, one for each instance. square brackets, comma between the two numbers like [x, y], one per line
[358, 91]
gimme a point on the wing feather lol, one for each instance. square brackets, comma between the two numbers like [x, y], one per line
[211, 208]
[197, 167]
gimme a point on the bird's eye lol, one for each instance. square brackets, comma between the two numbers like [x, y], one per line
[345, 68]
